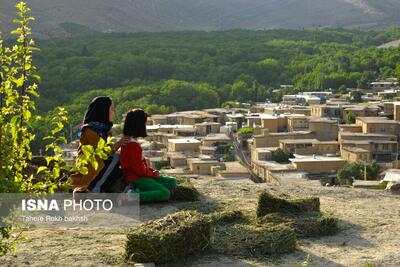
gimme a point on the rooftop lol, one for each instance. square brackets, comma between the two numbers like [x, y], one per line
[356, 149]
[350, 134]
[267, 117]
[377, 120]
[315, 159]
[167, 126]
[217, 137]
[298, 141]
[184, 141]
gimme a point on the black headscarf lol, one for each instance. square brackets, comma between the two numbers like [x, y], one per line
[98, 110]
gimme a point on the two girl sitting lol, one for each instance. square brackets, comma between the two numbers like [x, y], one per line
[136, 171]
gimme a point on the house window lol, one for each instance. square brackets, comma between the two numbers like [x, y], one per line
[385, 147]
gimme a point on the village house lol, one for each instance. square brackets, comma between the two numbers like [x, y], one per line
[267, 170]
[184, 132]
[209, 151]
[188, 146]
[300, 100]
[318, 164]
[253, 120]
[237, 118]
[262, 153]
[381, 151]
[328, 111]
[362, 111]
[388, 110]
[215, 140]
[221, 114]
[322, 96]
[309, 146]
[324, 129]
[177, 159]
[285, 109]
[297, 123]
[267, 139]
[190, 117]
[202, 167]
[273, 123]
[157, 119]
[163, 138]
[396, 111]
[378, 125]
[383, 85]
[206, 128]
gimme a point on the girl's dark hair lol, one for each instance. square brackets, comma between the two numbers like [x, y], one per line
[98, 110]
[135, 123]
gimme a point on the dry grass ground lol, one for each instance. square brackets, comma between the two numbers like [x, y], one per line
[369, 230]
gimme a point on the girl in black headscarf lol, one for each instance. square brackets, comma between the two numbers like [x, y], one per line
[97, 124]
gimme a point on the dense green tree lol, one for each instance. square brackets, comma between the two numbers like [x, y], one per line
[311, 60]
[349, 118]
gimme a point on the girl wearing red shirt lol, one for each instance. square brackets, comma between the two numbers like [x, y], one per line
[152, 187]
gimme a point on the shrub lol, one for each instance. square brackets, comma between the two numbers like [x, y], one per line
[280, 156]
[355, 171]
[245, 131]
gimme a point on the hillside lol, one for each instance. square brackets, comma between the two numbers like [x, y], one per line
[208, 15]
[367, 230]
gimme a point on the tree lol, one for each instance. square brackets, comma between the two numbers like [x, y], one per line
[350, 118]
[356, 96]
[280, 156]
[240, 92]
[356, 171]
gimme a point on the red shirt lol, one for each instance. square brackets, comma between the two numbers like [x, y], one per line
[133, 162]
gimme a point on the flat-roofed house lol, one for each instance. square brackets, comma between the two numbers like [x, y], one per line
[177, 159]
[309, 146]
[205, 128]
[184, 132]
[350, 128]
[361, 111]
[318, 164]
[190, 117]
[273, 123]
[253, 120]
[396, 111]
[158, 119]
[297, 123]
[328, 111]
[215, 140]
[383, 85]
[184, 145]
[202, 167]
[237, 118]
[378, 125]
[262, 153]
[285, 109]
[380, 150]
[220, 113]
[267, 139]
[324, 129]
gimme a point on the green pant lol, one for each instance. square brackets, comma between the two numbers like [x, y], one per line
[155, 189]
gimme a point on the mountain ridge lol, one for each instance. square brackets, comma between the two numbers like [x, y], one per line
[202, 15]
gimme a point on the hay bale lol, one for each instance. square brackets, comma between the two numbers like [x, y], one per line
[254, 240]
[185, 191]
[268, 203]
[305, 225]
[168, 239]
[227, 216]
